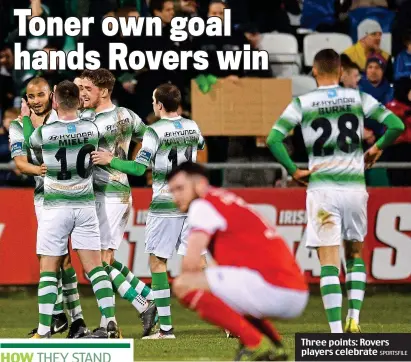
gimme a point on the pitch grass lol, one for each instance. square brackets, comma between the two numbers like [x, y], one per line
[197, 340]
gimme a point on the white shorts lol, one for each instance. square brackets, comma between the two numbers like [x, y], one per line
[335, 215]
[248, 293]
[112, 220]
[39, 210]
[56, 225]
[164, 234]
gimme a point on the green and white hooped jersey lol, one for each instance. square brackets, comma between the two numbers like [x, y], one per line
[117, 126]
[66, 148]
[332, 123]
[166, 144]
[34, 156]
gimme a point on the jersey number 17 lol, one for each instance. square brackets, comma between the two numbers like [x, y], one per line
[172, 156]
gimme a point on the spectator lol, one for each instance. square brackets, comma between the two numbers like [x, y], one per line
[6, 60]
[324, 15]
[401, 150]
[377, 86]
[5, 155]
[401, 26]
[164, 9]
[271, 16]
[350, 75]
[374, 82]
[368, 4]
[53, 77]
[402, 65]
[188, 8]
[370, 34]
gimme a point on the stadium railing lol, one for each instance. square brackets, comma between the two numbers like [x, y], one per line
[259, 166]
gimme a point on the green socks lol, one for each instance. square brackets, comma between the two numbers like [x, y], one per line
[59, 307]
[332, 296]
[355, 283]
[161, 292]
[70, 294]
[103, 291]
[140, 287]
[47, 297]
[126, 291]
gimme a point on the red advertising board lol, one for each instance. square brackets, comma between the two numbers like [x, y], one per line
[387, 248]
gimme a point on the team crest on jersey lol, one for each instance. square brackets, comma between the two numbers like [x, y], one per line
[332, 93]
[177, 125]
[71, 128]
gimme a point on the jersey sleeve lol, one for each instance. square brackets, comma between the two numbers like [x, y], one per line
[290, 118]
[201, 142]
[203, 216]
[16, 138]
[139, 128]
[149, 147]
[373, 109]
[36, 139]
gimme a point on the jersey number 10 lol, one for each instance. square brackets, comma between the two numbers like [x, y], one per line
[82, 171]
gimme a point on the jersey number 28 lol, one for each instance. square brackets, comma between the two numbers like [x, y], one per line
[347, 140]
[82, 171]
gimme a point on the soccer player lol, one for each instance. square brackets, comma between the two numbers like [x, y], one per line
[117, 126]
[255, 276]
[29, 162]
[167, 143]
[332, 122]
[69, 206]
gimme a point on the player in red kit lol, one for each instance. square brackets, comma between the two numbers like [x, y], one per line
[254, 277]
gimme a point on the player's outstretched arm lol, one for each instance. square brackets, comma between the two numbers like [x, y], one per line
[105, 158]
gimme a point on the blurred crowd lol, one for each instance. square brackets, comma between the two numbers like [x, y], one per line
[384, 75]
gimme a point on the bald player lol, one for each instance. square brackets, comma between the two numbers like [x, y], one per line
[30, 162]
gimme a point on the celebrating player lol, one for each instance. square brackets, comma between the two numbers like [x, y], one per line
[256, 278]
[28, 161]
[69, 206]
[332, 121]
[117, 126]
[167, 143]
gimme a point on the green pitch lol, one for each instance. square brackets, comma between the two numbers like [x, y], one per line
[197, 340]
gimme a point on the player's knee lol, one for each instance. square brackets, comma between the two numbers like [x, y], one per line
[66, 262]
[353, 249]
[157, 265]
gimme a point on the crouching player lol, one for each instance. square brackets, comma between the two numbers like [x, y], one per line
[256, 277]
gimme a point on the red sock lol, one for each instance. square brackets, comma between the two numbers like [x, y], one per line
[215, 311]
[266, 327]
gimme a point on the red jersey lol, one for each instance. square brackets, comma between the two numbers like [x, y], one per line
[240, 237]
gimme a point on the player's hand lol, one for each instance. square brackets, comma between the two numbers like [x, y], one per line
[371, 156]
[302, 176]
[101, 157]
[43, 170]
[25, 109]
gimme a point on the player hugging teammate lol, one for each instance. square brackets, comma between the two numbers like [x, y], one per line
[64, 144]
